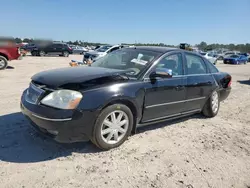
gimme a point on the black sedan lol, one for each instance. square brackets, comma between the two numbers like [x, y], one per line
[106, 101]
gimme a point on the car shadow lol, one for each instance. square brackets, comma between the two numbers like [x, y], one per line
[246, 82]
[20, 143]
[10, 67]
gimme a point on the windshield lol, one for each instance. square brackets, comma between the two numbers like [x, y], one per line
[127, 59]
[103, 48]
[234, 56]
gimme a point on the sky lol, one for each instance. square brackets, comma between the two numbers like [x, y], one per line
[128, 21]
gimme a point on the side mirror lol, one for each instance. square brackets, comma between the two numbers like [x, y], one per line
[161, 73]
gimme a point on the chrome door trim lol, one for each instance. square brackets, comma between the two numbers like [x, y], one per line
[176, 102]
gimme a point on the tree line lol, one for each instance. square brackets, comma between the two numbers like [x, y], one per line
[202, 46]
[238, 47]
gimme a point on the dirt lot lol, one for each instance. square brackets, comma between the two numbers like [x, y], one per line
[191, 152]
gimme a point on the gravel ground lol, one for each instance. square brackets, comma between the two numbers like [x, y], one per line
[191, 152]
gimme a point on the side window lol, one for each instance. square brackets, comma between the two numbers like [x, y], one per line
[113, 49]
[173, 62]
[56, 46]
[195, 64]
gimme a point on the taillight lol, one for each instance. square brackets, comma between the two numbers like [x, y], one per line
[229, 83]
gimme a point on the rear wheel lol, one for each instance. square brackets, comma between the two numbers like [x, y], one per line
[211, 108]
[3, 62]
[113, 126]
[42, 53]
[65, 54]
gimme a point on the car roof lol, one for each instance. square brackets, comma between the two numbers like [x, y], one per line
[156, 48]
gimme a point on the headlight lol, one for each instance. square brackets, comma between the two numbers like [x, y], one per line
[63, 99]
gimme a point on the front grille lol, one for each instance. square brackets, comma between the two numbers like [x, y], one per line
[33, 94]
[228, 61]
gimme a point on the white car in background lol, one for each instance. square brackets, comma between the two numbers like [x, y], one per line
[210, 56]
[100, 52]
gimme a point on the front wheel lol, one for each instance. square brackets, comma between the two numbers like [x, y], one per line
[3, 62]
[211, 108]
[113, 126]
[34, 53]
[220, 58]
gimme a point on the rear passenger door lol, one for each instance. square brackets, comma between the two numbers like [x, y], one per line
[51, 49]
[59, 49]
[200, 82]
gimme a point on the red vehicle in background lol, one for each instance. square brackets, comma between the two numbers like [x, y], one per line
[8, 51]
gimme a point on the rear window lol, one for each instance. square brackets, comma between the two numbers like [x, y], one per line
[211, 67]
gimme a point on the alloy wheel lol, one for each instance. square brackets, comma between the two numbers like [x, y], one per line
[2, 63]
[114, 127]
[215, 102]
[42, 53]
[65, 54]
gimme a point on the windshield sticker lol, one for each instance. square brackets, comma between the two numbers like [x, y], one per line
[139, 61]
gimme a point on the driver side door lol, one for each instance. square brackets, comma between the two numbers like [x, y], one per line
[165, 97]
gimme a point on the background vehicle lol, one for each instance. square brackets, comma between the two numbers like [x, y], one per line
[54, 48]
[28, 47]
[8, 52]
[227, 54]
[185, 46]
[79, 50]
[100, 52]
[236, 59]
[211, 56]
[247, 55]
[130, 87]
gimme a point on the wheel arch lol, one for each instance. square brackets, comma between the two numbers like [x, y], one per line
[4, 55]
[134, 109]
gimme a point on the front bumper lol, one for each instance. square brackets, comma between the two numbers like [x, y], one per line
[64, 126]
[230, 61]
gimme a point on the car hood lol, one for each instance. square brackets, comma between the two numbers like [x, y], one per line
[72, 75]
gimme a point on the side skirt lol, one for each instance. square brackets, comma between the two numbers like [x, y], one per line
[168, 118]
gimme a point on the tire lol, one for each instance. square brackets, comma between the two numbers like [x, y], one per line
[65, 54]
[3, 63]
[209, 110]
[34, 53]
[101, 140]
[41, 53]
[221, 58]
